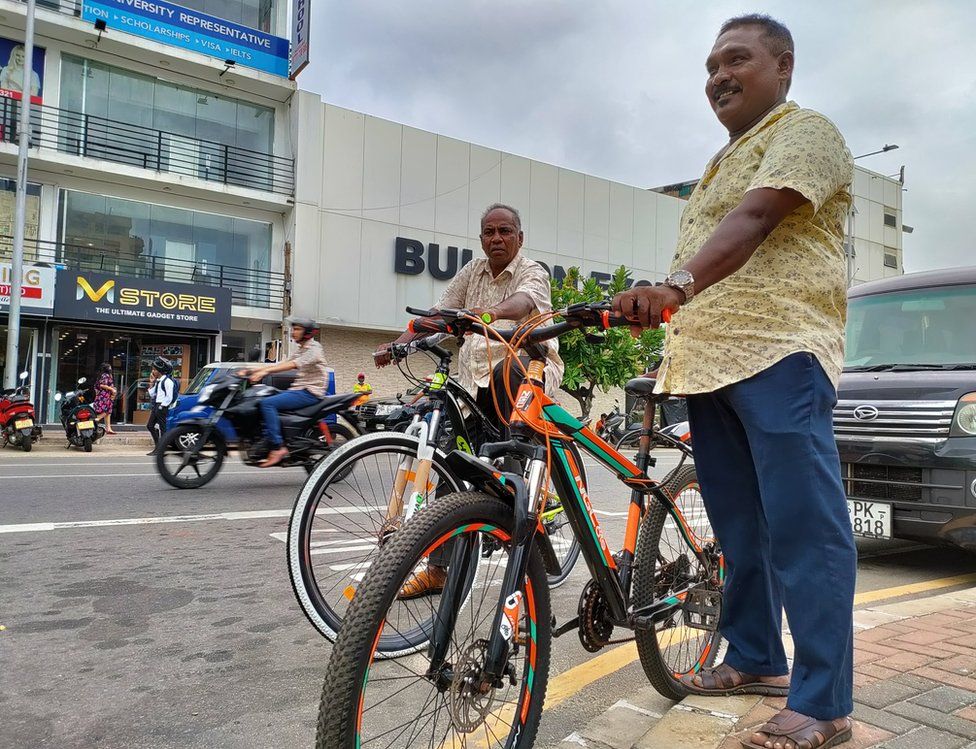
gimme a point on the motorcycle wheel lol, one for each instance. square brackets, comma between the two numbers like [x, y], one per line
[341, 434]
[26, 444]
[181, 470]
[87, 444]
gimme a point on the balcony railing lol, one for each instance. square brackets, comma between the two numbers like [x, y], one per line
[122, 143]
[250, 287]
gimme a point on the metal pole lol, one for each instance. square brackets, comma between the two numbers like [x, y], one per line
[20, 211]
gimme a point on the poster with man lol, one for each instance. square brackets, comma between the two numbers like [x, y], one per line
[12, 73]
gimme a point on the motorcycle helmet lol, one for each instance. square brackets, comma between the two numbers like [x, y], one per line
[162, 365]
[307, 324]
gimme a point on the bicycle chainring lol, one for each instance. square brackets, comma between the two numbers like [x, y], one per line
[595, 627]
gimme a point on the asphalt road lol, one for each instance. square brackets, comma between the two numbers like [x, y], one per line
[155, 633]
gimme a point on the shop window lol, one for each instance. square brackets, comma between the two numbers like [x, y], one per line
[8, 189]
[130, 238]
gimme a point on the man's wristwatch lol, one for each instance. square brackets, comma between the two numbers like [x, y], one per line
[683, 281]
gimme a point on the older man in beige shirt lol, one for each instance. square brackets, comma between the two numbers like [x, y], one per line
[510, 289]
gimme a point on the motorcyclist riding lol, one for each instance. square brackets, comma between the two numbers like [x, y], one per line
[308, 387]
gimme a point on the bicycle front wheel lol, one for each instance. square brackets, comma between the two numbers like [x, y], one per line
[665, 566]
[412, 702]
[338, 523]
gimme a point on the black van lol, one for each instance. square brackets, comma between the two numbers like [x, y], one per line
[905, 419]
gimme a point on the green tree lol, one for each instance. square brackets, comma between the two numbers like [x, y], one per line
[610, 363]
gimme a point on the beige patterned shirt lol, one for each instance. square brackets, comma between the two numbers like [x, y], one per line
[791, 295]
[312, 372]
[474, 286]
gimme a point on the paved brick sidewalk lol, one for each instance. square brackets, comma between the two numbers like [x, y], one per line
[915, 687]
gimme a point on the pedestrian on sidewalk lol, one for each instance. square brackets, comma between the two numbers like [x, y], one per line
[105, 396]
[162, 393]
[759, 280]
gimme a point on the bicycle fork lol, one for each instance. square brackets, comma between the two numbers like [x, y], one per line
[415, 470]
[505, 625]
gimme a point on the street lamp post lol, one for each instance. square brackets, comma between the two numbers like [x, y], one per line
[849, 243]
[20, 209]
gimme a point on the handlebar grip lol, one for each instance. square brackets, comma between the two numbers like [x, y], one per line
[428, 325]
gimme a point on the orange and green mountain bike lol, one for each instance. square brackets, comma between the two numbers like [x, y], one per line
[481, 681]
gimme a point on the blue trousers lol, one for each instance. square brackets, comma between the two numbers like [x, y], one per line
[770, 479]
[290, 400]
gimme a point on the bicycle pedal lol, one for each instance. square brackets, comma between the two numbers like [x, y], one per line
[702, 609]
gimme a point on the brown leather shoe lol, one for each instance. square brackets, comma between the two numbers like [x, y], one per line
[427, 582]
[275, 457]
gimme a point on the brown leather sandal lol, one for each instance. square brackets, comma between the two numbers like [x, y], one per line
[723, 681]
[793, 730]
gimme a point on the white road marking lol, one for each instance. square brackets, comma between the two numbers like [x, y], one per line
[343, 549]
[246, 515]
[37, 477]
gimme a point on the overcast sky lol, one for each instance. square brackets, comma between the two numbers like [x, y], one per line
[614, 88]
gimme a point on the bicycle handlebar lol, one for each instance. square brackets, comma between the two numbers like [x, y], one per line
[457, 322]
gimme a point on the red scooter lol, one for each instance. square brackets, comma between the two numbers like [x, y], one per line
[17, 422]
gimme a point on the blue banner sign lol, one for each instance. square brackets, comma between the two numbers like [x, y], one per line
[183, 27]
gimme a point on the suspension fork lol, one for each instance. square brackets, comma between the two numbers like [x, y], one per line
[415, 468]
[505, 625]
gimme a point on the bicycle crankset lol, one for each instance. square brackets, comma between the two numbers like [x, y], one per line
[595, 627]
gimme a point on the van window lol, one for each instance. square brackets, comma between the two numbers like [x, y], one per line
[922, 326]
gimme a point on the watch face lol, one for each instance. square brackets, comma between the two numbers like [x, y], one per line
[681, 277]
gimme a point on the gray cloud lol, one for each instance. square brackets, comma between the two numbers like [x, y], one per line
[615, 88]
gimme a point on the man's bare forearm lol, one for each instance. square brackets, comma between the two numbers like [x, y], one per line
[739, 234]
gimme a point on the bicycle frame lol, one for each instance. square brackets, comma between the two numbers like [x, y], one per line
[536, 419]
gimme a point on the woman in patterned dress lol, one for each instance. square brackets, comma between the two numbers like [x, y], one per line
[104, 396]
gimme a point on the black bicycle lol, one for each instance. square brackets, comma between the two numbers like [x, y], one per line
[482, 679]
[367, 489]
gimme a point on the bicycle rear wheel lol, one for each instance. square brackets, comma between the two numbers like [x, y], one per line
[665, 565]
[337, 524]
[405, 703]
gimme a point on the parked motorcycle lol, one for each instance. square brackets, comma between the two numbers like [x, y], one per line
[18, 425]
[78, 418]
[191, 453]
[610, 426]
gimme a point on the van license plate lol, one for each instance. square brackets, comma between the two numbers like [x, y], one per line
[870, 519]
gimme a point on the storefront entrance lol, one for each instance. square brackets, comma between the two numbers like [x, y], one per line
[27, 353]
[80, 351]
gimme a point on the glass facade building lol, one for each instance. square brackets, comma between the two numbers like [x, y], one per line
[128, 237]
[118, 115]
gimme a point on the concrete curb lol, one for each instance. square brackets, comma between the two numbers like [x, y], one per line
[708, 722]
[53, 441]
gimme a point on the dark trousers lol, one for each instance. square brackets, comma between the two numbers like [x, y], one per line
[770, 478]
[157, 422]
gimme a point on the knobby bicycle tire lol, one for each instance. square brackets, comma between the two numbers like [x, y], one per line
[352, 668]
[664, 669]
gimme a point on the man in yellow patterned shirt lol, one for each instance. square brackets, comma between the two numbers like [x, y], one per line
[759, 285]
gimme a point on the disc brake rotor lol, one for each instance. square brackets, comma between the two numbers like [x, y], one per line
[469, 698]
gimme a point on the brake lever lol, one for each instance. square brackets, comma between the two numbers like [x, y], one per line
[594, 338]
[417, 312]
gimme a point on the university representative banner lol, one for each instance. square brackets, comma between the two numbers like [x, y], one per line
[80, 295]
[190, 29]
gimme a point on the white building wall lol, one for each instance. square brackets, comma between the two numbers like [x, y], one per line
[364, 181]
